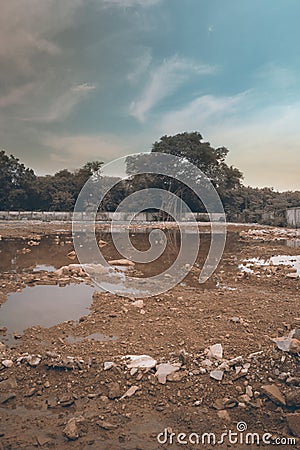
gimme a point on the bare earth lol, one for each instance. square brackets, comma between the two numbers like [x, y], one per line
[57, 394]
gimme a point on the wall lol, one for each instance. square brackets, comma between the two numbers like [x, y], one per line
[49, 216]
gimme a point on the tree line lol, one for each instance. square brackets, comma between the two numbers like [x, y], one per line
[21, 189]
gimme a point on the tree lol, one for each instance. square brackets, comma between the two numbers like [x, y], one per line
[15, 183]
[188, 147]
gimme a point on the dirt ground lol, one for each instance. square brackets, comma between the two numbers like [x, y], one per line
[62, 389]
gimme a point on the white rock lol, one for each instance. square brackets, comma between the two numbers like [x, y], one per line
[108, 365]
[165, 369]
[217, 374]
[216, 351]
[140, 361]
[7, 363]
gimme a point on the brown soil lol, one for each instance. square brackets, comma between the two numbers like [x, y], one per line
[240, 311]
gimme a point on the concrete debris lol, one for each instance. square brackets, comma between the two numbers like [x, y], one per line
[140, 361]
[114, 390]
[108, 365]
[164, 370]
[71, 430]
[217, 375]
[288, 343]
[72, 255]
[131, 391]
[138, 304]
[215, 351]
[274, 394]
[7, 363]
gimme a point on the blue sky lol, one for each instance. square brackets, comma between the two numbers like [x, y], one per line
[98, 79]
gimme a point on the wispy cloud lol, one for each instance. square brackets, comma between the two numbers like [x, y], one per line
[141, 64]
[164, 81]
[64, 105]
[16, 95]
[196, 114]
[80, 148]
[130, 3]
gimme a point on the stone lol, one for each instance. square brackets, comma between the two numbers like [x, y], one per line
[140, 361]
[31, 392]
[177, 376]
[165, 369]
[71, 430]
[7, 363]
[138, 304]
[130, 392]
[102, 243]
[72, 255]
[274, 394]
[2, 347]
[293, 423]
[293, 398]
[106, 425]
[121, 262]
[216, 351]
[108, 365]
[114, 390]
[217, 375]
[66, 400]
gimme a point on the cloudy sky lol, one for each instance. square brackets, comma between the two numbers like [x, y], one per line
[98, 79]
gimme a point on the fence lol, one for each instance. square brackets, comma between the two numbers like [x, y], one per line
[50, 216]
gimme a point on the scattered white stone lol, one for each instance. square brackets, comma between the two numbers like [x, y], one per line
[217, 375]
[216, 351]
[165, 369]
[138, 304]
[140, 361]
[131, 391]
[108, 365]
[7, 363]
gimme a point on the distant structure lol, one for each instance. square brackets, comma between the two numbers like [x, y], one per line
[293, 217]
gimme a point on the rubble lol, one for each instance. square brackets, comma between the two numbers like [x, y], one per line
[274, 394]
[215, 351]
[131, 391]
[71, 430]
[140, 361]
[164, 370]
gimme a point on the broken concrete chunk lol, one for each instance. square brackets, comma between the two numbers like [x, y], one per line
[131, 391]
[217, 375]
[71, 430]
[108, 365]
[140, 361]
[274, 394]
[114, 390]
[165, 369]
[216, 351]
[7, 363]
[287, 344]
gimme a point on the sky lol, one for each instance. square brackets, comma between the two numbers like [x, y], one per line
[84, 80]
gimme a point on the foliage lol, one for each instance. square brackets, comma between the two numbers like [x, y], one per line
[21, 189]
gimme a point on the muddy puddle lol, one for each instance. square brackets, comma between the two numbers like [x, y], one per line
[48, 305]
[45, 306]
